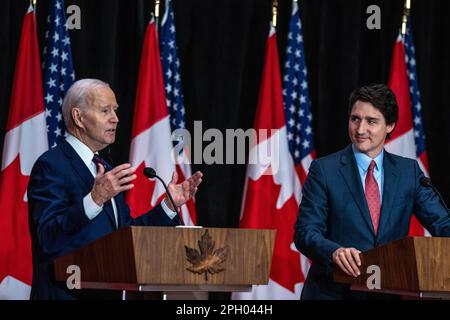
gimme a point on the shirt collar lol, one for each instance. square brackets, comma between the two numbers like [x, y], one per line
[363, 160]
[81, 149]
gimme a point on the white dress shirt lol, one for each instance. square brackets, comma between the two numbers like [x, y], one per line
[92, 209]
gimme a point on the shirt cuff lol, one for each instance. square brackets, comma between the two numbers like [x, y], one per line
[171, 214]
[90, 207]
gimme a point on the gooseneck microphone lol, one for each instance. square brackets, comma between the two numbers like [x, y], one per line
[426, 182]
[151, 174]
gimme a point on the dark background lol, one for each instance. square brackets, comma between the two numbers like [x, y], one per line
[221, 47]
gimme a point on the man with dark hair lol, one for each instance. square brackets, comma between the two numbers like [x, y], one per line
[76, 197]
[381, 97]
[361, 197]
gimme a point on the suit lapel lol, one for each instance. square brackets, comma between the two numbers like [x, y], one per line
[389, 189]
[78, 165]
[85, 175]
[349, 171]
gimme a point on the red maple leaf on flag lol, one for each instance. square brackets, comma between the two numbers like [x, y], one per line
[15, 245]
[282, 220]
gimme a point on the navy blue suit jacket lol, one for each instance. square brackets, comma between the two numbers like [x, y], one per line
[334, 213]
[58, 224]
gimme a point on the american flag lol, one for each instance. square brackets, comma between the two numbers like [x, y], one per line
[171, 70]
[297, 105]
[419, 134]
[57, 69]
[174, 100]
[297, 109]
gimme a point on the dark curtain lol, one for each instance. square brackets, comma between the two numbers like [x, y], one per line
[221, 46]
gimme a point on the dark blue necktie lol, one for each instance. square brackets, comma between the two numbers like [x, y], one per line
[107, 206]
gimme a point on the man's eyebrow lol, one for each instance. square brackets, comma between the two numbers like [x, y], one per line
[109, 106]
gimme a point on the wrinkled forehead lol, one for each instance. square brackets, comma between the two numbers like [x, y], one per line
[101, 97]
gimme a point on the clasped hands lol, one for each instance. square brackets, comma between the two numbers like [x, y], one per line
[119, 179]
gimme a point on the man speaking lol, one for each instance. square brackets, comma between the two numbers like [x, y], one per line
[76, 197]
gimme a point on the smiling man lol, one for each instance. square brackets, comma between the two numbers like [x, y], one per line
[361, 197]
[76, 197]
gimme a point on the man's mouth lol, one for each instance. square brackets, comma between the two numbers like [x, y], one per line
[361, 139]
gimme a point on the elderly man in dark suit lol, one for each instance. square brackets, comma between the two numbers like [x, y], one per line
[76, 197]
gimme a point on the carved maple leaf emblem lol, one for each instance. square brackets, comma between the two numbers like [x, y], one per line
[207, 260]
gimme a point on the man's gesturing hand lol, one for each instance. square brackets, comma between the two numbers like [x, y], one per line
[108, 185]
[348, 260]
[184, 191]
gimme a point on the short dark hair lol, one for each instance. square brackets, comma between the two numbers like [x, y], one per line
[381, 97]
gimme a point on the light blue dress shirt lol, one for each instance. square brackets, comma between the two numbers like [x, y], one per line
[363, 162]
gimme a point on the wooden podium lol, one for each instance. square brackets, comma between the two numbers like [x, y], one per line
[413, 266]
[173, 259]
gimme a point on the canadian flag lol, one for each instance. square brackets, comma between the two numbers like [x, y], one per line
[25, 141]
[273, 186]
[408, 139]
[151, 144]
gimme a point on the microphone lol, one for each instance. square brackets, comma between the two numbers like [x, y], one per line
[151, 174]
[426, 182]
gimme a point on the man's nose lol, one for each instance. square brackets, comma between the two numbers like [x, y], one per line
[361, 128]
[114, 117]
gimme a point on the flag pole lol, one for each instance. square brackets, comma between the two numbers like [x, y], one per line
[274, 13]
[157, 4]
[405, 16]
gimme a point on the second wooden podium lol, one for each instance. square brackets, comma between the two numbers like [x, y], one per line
[413, 266]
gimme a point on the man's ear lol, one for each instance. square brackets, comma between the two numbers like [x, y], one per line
[390, 127]
[77, 117]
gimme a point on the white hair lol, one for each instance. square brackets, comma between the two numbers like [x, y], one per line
[77, 95]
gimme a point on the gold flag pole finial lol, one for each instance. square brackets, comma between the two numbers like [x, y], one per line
[405, 15]
[157, 3]
[274, 13]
